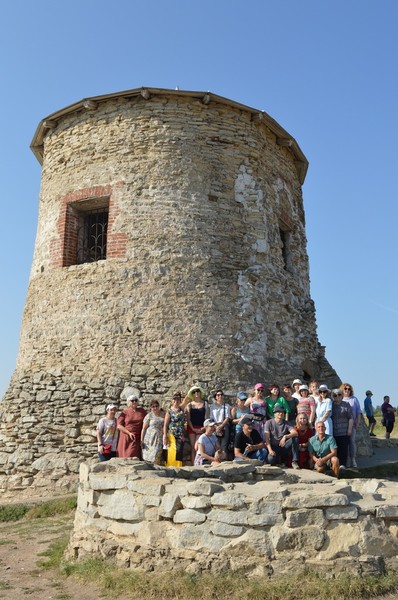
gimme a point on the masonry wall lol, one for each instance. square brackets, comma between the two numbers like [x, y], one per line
[195, 284]
[195, 287]
[234, 517]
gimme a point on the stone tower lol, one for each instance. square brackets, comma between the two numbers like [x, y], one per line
[170, 249]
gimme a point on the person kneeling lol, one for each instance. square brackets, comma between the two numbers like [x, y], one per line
[278, 437]
[248, 444]
[323, 450]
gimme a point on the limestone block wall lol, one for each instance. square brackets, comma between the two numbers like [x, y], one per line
[234, 516]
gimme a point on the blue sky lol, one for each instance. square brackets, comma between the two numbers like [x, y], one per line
[325, 70]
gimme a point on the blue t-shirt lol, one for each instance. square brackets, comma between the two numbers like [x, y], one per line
[368, 406]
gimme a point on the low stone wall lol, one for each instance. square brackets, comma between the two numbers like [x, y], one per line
[259, 518]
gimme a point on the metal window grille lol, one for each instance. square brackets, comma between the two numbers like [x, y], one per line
[92, 236]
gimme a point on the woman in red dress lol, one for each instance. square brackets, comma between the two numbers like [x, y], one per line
[129, 424]
[304, 433]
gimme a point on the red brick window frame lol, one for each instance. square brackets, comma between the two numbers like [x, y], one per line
[78, 210]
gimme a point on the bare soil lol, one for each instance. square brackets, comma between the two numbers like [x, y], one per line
[22, 545]
[21, 550]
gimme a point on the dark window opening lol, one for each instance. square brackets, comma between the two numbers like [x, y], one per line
[285, 247]
[92, 235]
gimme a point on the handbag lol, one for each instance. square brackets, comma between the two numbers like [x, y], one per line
[107, 449]
[220, 435]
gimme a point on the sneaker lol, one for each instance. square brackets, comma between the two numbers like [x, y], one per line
[295, 465]
[342, 468]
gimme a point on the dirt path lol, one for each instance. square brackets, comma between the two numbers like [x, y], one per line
[21, 547]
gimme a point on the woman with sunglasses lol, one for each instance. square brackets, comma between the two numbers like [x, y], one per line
[342, 426]
[348, 396]
[258, 407]
[129, 424]
[220, 413]
[208, 445]
[152, 435]
[323, 409]
[196, 412]
[174, 432]
[107, 434]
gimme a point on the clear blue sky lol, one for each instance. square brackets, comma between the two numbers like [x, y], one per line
[325, 70]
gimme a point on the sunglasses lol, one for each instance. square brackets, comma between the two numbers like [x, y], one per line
[337, 395]
[348, 388]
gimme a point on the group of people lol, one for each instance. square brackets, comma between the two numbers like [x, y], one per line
[297, 426]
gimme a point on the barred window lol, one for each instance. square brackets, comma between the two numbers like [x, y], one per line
[92, 235]
[86, 229]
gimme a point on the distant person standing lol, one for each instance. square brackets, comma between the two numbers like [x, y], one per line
[388, 412]
[370, 415]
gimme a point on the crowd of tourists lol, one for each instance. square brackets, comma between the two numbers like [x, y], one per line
[300, 426]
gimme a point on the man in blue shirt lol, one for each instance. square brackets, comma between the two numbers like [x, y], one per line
[368, 407]
[323, 450]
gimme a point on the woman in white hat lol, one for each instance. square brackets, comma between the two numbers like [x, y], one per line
[129, 424]
[306, 404]
[324, 409]
[107, 434]
[207, 445]
[196, 411]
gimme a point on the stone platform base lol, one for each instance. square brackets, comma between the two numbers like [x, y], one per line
[234, 516]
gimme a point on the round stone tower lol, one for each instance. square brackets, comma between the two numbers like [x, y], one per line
[170, 250]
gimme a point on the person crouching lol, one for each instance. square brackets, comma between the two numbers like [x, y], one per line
[248, 443]
[323, 450]
[278, 438]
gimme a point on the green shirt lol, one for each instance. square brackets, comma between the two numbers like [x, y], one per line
[271, 404]
[321, 448]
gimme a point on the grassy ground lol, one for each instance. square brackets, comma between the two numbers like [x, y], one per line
[100, 579]
[232, 586]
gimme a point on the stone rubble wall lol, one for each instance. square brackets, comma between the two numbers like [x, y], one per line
[232, 517]
[47, 428]
[194, 289]
[198, 290]
[51, 429]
